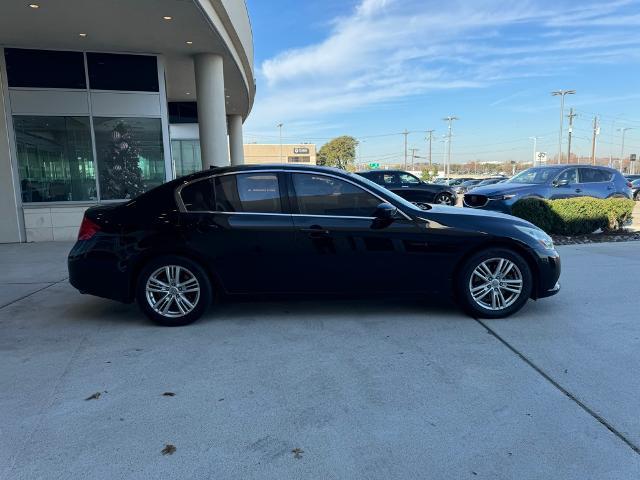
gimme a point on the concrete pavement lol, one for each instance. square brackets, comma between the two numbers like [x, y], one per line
[365, 388]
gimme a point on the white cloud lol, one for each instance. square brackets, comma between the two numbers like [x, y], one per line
[389, 50]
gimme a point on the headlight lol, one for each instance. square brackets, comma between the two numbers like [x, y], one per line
[543, 239]
[502, 197]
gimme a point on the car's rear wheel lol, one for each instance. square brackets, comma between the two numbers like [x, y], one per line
[494, 283]
[173, 291]
[443, 199]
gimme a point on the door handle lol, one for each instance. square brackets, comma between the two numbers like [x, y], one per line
[609, 187]
[315, 232]
[578, 190]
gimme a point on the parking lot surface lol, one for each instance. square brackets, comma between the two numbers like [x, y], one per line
[321, 389]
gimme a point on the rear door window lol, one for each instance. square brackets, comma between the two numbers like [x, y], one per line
[248, 193]
[594, 175]
[198, 196]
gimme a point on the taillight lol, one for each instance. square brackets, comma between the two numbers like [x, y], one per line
[87, 229]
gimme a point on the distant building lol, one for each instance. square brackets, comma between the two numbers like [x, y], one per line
[291, 153]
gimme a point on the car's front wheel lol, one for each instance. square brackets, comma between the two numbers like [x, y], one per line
[494, 283]
[443, 199]
[173, 291]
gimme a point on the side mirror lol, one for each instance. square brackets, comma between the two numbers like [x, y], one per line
[560, 183]
[385, 211]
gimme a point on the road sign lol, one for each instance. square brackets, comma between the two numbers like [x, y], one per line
[541, 157]
[374, 165]
[632, 157]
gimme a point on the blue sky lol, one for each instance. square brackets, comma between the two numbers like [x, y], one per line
[368, 68]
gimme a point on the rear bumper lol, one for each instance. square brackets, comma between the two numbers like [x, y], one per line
[98, 272]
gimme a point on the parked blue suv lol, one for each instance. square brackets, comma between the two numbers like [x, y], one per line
[553, 182]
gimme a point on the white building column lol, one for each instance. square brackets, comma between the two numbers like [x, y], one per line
[236, 144]
[212, 118]
[11, 220]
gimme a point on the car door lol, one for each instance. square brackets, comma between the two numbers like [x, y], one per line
[566, 185]
[241, 224]
[413, 189]
[340, 246]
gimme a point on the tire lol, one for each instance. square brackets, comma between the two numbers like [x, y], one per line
[157, 284]
[518, 277]
[443, 198]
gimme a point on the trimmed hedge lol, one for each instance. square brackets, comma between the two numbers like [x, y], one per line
[575, 216]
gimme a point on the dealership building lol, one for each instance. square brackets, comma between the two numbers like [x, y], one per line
[88, 93]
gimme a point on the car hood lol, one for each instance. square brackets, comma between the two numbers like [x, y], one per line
[470, 217]
[504, 189]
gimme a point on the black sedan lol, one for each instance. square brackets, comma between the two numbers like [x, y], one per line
[286, 229]
[411, 188]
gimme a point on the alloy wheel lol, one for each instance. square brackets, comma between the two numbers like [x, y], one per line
[172, 291]
[496, 284]
[444, 199]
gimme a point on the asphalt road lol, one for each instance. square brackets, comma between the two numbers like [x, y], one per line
[364, 388]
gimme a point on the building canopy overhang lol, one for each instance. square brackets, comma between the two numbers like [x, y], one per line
[176, 29]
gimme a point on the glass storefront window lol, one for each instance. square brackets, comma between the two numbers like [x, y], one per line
[186, 156]
[130, 156]
[55, 159]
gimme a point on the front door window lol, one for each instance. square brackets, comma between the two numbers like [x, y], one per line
[330, 196]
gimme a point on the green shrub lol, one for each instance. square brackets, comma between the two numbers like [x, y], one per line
[575, 216]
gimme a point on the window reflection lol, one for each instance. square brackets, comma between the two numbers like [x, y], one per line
[186, 156]
[130, 156]
[55, 159]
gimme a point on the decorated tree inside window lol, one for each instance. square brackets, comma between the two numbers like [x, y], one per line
[119, 168]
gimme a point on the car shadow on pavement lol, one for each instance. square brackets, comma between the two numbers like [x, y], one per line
[250, 309]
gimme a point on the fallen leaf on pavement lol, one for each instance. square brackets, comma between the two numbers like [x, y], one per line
[168, 449]
[168, 394]
[297, 452]
[95, 396]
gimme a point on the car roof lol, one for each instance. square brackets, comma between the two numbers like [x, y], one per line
[571, 165]
[262, 167]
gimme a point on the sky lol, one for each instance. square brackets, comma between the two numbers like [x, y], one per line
[375, 68]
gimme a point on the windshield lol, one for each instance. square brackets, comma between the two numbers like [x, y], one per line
[534, 175]
[378, 189]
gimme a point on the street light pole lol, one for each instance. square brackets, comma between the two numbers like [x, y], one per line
[570, 117]
[280, 127]
[405, 133]
[596, 132]
[623, 130]
[430, 132]
[561, 94]
[450, 119]
[444, 156]
[535, 147]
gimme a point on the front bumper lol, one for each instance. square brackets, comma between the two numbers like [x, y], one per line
[551, 292]
[502, 206]
[549, 269]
